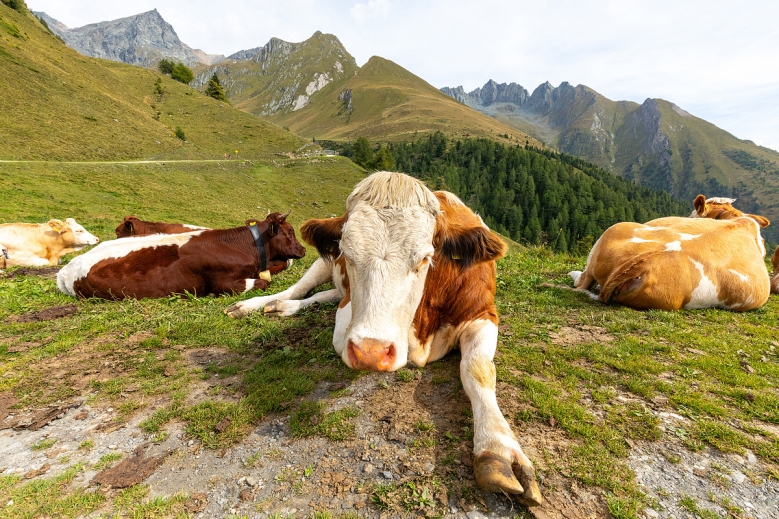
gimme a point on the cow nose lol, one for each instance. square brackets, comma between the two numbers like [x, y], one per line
[372, 354]
[97, 240]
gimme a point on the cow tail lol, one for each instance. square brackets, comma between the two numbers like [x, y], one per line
[627, 272]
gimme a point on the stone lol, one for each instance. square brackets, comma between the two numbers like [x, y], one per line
[649, 512]
[368, 468]
[738, 477]
[250, 481]
[475, 514]
[751, 458]
[387, 474]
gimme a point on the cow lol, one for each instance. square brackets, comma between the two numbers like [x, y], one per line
[215, 261]
[673, 263]
[132, 226]
[414, 275]
[775, 275]
[3, 256]
[41, 244]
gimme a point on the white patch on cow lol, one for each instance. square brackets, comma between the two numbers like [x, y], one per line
[290, 262]
[720, 200]
[249, 285]
[636, 239]
[83, 237]
[688, 237]
[343, 316]
[575, 275]
[705, 294]
[80, 266]
[741, 276]
[673, 246]
[195, 227]
[758, 237]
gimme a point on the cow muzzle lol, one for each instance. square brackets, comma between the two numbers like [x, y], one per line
[372, 355]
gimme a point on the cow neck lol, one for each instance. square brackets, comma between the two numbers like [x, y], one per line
[254, 229]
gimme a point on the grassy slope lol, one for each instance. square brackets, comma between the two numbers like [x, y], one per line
[57, 104]
[685, 362]
[392, 104]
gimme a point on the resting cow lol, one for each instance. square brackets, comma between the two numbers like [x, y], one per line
[219, 261]
[672, 263]
[414, 272]
[41, 244]
[3, 256]
[132, 226]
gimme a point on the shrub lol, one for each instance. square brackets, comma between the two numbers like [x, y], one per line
[166, 66]
[180, 133]
[182, 73]
[16, 5]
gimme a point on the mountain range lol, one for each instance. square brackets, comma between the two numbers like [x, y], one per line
[316, 89]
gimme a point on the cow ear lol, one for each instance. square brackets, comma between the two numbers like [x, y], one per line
[57, 225]
[324, 234]
[700, 205]
[761, 220]
[468, 245]
[128, 225]
[273, 228]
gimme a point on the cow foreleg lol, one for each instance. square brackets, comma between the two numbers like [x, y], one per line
[320, 272]
[287, 307]
[499, 464]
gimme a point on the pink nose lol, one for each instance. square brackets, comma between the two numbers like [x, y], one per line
[372, 355]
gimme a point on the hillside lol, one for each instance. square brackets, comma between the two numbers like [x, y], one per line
[60, 105]
[316, 89]
[655, 143]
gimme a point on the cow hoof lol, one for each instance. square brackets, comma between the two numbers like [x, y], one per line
[494, 474]
[527, 478]
[235, 311]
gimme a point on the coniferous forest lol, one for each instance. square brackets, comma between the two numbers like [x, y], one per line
[531, 195]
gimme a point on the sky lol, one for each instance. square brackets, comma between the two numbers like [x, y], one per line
[718, 60]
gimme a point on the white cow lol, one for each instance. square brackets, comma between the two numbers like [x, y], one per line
[41, 244]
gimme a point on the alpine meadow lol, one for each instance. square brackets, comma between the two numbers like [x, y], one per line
[168, 407]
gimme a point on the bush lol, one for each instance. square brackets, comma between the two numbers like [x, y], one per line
[182, 73]
[180, 133]
[166, 66]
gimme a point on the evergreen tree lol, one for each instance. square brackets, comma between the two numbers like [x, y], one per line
[363, 154]
[165, 66]
[382, 160]
[214, 89]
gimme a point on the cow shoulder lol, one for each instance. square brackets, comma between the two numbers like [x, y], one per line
[324, 234]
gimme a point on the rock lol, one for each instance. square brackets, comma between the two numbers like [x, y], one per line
[223, 424]
[476, 515]
[751, 458]
[387, 474]
[112, 447]
[132, 470]
[37, 472]
[738, 477]
[649, 512]
[368, 468]
[428, 467]
[252, 482]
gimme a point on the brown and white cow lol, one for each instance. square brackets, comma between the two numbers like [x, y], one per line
[41, 244]
[133, 226]
[672, 263]
[414, 272]
[218, 261]
[718, 208]
[3, 256]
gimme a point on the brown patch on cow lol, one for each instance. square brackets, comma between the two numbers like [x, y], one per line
[132, 470]
[133, 226]
[324, 234]
[44, 272]
[724, 211]
[775, 275]
[583, 334]
[48, 314]
[483, 372]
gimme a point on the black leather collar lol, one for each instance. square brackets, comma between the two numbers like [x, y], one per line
[257, 235]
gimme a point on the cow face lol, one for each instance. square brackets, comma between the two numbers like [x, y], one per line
[722, 209]
[280, 239]
[127, 227]
[387, 242]
[82, 237]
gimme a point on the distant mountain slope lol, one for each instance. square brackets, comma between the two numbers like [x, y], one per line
[656, 143]
[316, 89]
[58, 104]
[142, 39]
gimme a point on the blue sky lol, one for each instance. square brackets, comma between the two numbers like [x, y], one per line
[719, 60]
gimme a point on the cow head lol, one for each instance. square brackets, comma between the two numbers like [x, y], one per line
[279, 237]
[388, 239]
[127, 227]
[722, 209]
[73, 235]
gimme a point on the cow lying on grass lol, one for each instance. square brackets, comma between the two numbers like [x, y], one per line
[414, 274]
[219, 261]
[41, 244]
[3, 256]
[672, 263]
[132, 226]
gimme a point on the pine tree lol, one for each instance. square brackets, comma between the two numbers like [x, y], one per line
[214, 89]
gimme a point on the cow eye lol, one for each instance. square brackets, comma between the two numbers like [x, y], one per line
[425, 261]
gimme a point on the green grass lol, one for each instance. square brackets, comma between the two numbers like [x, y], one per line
[44, 444]
[107, 459]
[310, 419]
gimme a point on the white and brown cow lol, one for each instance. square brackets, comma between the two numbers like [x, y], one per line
[672, 263]
[218, 261]
[134, 226]
[3, 256]
[414, 272]
[41, 244]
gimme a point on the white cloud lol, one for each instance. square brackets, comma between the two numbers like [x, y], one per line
[362, 11]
